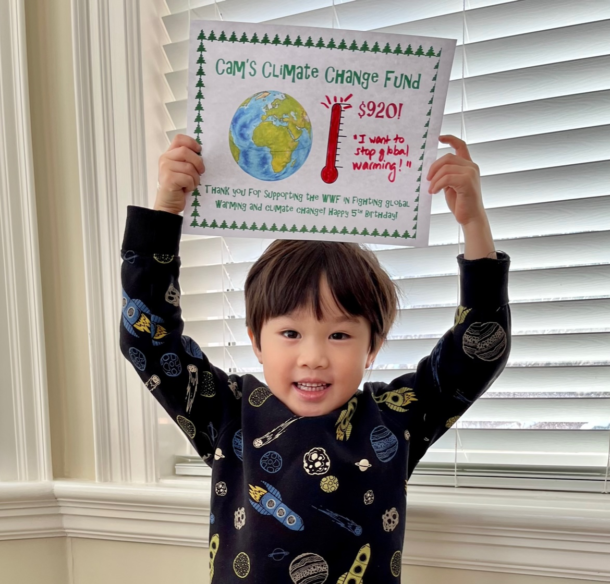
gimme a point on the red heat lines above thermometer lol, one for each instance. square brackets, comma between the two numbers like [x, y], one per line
[330, 172]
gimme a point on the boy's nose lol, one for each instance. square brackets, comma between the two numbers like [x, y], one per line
[313, 356]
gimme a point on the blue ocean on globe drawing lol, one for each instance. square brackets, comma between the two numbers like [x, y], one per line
[270, 136]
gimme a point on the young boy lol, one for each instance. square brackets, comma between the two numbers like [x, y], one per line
[309, 473]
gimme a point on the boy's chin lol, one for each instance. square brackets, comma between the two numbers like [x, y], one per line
[310, 410]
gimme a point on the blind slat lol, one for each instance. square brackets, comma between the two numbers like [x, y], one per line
[525, 286]
[543, 414]
[505, 20]
[535, 317]
[543, 116]
[529, 84]
[540, 448]
[541, 150]
[530, 382]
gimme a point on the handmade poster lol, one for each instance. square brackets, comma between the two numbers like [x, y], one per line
[312, 133]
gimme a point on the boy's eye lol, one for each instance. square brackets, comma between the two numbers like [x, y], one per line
[290, 334]
[340, 335]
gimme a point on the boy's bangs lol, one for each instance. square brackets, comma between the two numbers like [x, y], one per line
[301, 289]
[289, 275]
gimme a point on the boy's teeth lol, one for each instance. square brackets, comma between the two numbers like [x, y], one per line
[311, 386]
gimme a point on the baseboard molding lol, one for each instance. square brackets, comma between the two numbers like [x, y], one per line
[539, 533]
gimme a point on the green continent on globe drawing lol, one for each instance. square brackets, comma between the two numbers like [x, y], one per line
[281, 140]
[234, 148]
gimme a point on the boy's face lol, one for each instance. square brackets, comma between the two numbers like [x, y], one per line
[329, 356]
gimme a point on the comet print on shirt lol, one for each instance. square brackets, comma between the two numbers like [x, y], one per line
[269, 502]
[191, 390]
[275, 433]
[342, 521]
[356, 572]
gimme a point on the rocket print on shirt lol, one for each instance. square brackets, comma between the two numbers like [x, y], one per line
[269, 502]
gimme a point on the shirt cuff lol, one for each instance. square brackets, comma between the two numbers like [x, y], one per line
[148, 231]
[484, 281]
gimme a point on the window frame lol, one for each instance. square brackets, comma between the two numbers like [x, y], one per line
[25, 413]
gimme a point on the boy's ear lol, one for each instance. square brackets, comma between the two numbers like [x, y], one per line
[255, 348]
[372, 356]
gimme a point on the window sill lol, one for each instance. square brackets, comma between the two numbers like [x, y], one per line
[540, 533]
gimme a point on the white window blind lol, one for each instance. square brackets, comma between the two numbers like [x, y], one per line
[530, 93]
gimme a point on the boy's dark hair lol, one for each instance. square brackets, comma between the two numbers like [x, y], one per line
[289, 273]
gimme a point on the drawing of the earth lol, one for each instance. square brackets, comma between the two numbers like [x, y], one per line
[270, 135]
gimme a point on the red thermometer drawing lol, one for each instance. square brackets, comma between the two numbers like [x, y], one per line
[330, 172]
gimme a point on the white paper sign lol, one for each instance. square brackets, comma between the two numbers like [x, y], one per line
[311, 133]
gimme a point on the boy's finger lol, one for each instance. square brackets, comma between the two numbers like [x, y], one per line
[449, 180]
[446, 159]
[184, 140]
[461, 149]
[444, 170]
[186, 155]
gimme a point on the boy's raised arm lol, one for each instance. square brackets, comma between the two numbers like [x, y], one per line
[199, 397]
[474, 351]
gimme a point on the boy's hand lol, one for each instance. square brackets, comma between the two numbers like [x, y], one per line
[180, 170]
[459, 176]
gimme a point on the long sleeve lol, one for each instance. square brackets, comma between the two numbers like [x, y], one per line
[463, 364]
[199, 397]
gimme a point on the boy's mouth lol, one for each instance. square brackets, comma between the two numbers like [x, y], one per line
[311, 391]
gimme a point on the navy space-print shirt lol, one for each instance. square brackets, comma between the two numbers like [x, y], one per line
[304, 499]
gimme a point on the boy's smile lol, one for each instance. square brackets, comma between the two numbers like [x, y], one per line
[313, 366]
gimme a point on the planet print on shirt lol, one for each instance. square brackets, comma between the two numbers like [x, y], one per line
[363, 465]
[278, 554]
[395, 564]
[137, 358]
[271, 461]
[259, 396]
[329, 484]
[171, 364]
[485, 340]
[238, 444]
[384, 443]
[308, 568]
[129, 256]
[163, 258]
[186, 426]
[241, 565]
